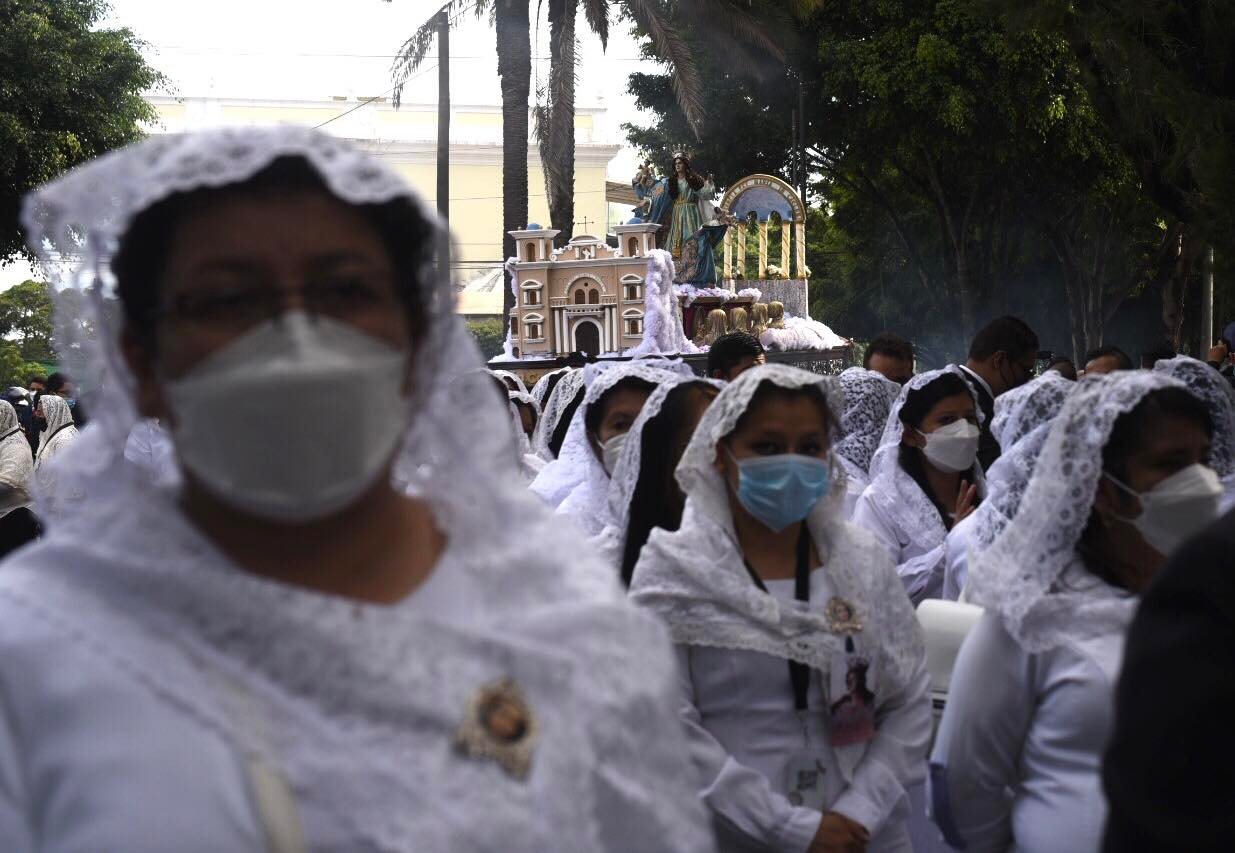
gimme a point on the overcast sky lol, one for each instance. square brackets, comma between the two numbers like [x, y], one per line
[296, 49]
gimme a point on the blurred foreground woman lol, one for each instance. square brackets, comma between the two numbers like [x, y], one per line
[1121, 482]
[803, 684]
[352, 629]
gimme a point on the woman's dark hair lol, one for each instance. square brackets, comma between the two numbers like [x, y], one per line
[563, 422]
[657, 500]
[1126, 438]
[918, 404]
[596, 411]
[693, 179]
[139, 263]
[551, 383]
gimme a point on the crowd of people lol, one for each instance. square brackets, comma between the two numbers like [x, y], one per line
[626, 609]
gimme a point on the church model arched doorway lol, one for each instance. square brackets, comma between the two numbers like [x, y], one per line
[587, 337]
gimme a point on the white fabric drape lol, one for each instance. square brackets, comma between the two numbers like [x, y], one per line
[1020, 425]
[868, 400]
[354, 707]
[694, 579]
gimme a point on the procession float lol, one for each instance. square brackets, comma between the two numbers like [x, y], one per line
[690, 265]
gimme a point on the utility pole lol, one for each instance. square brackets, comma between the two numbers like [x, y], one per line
[443, 137]
[1207, 303]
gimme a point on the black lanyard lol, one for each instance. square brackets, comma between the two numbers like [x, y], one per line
[799, 673]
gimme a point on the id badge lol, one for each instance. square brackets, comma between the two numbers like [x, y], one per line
[851, 707]
[804, 779]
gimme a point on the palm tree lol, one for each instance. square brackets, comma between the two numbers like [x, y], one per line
[555, 120]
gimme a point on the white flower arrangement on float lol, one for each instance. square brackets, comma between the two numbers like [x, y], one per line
[773, 271]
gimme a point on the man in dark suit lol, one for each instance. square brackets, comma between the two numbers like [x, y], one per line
[1169, 772]
[1001, 357]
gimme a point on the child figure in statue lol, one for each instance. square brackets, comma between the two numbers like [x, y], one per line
[718, 324]
[759, 318]
[741, 320]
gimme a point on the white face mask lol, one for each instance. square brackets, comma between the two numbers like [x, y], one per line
[263, 426]
[611, 452]
[953, 447]
[1178, 507]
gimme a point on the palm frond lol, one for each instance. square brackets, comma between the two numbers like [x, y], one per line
[596, 12]
[413, 51]
[727, 16]
[673, 49]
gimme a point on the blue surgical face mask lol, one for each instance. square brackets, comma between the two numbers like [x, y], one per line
[781, 490]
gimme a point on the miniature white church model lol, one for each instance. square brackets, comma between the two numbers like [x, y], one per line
[584, 297]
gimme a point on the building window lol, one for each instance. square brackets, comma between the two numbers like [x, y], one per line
[580, 297]
[531, 251]
[514, 326]
[533, 332]
[632, 248]
[632, 292]
[593, 297]
[634, 327]
[531, 297]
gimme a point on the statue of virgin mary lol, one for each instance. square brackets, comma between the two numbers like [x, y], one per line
[683, 206]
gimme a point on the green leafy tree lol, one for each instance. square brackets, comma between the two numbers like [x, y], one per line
[15, 370]
[68, 92]
[26, 320]
[490, 336]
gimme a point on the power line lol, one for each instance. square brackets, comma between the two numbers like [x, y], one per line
[375, 98]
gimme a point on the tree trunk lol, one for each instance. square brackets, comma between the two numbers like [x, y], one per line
[555, 121]
[514, 67]
[1175, 286]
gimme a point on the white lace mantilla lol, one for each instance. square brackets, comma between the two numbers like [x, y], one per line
[577, 479]
[358, 703]
[694, 578]
[520, 386]
[868, 400]
[1022, 421]
[1021, 576]
[559, 399]
[1211, 388]
[540, 391]
[891, 487]
[616, 513]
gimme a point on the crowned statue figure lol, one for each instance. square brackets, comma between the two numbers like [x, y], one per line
[691, 225]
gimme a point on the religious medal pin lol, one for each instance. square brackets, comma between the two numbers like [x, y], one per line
[500, 727]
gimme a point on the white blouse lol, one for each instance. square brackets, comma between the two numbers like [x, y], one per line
[920, 564]
[1017, 761]
[956, 558]
[738, 708]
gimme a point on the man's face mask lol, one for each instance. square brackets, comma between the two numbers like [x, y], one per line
[259, 424]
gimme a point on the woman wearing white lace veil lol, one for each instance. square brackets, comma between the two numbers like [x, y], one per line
[513, 381]
[17, 525]
[544, 385]
[59, 432]
[1020, 425]
[556, 415]
[924, 476]
[642, 492]
[779, 662]
[868, 401]
[1211, 388]
[355, 631]
[1120, 483]
[577, 482]
[524, 411]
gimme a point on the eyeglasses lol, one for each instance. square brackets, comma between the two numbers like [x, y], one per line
[346, 297]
